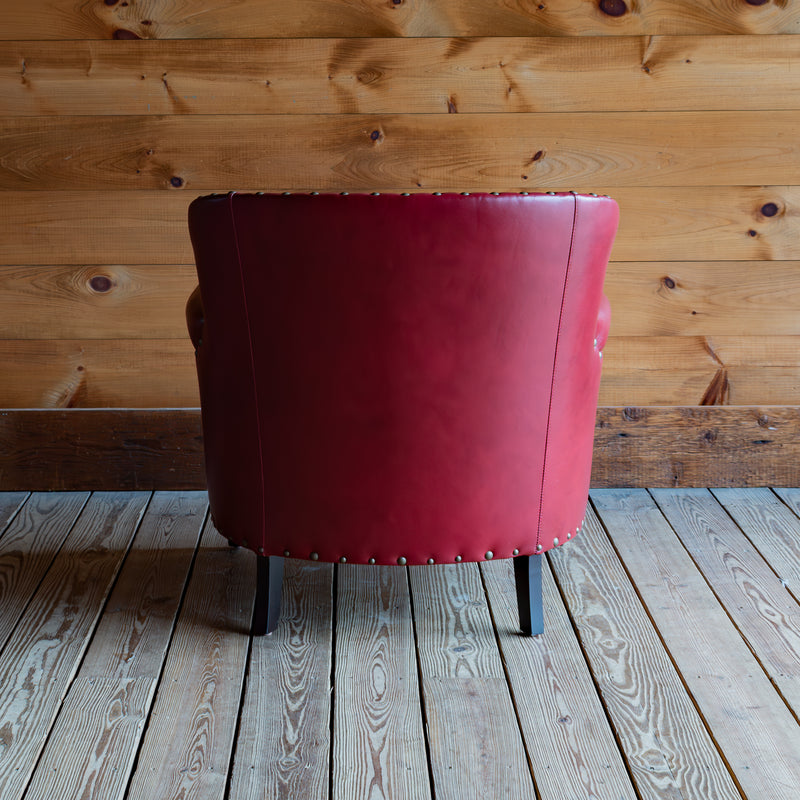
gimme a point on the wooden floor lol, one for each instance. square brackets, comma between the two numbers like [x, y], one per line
[669, 667]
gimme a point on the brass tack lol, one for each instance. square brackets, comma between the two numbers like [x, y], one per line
[261, 550]
[375, 194]
[437, 194]
[405, 194]
[524, 194]
[552, 194]
[458, 558]
[555, 542]
[314, 194]
[343, 560]
[431, 561]
[495, 194]
[489, 555]
[315, 556]
[344, 194]
[287, 194]
[372, 561]
[569, 534]
[539, 548]
[515, 551]
[259, 194]
[402, 561]
[286, 554]
[465, 194]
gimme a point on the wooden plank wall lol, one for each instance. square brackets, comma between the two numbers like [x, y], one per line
[116, 113]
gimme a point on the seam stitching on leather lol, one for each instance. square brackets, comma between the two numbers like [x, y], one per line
[555, 368]
[252, 368]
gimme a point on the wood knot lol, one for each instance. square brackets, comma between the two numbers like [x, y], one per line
[176, 181]
[614, 8]
[122, 33]
[769, 209]
[100, 284]
[667, 282]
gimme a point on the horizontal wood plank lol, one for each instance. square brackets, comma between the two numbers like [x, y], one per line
[707, 298]
[149, 227]
[697, 446]
[638, 370]
[78, 449]
[101, 449]
[400, 75]
[71, 19]
[483, 151]
[98, 373]
[703, 370]
[648, 298]
[111, 301]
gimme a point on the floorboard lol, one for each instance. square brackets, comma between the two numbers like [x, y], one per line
[668, 670]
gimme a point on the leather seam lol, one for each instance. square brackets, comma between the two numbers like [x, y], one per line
[252, 367]
[555, 369]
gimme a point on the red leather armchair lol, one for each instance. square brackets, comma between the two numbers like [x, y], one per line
[399, 379]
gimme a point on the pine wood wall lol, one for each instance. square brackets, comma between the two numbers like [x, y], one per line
[116, 113]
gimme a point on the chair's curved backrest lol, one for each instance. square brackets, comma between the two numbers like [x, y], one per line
[400, 378]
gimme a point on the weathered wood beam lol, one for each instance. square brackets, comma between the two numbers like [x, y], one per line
[80, 449]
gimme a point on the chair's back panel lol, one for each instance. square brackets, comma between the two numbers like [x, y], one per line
[379, 374]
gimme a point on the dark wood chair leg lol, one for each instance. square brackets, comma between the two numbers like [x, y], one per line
[268, 594]
[528, 578]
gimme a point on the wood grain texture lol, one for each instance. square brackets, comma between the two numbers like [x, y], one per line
[112, 301]
[772, 528]
[464, 688]
[554, 697]
[767, 616]
[638, 370]
[701, 370]
[634, 446]
[727, 683]
[10, 504]
[696, 446]
[400, 75]
[51, 450]
[667, 747]
[283, 743]
[98, 373]
[45, 650]
[149, 227]
[92, 748]
[28, 547]
[333, 152]
[704, 298]
[193, 19]
[379, 743]
[186, 751]
[134, 633]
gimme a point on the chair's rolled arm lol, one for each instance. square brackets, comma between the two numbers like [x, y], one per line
[195, 317]
[603, 323]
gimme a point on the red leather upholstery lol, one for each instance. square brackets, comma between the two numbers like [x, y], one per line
[395, 378]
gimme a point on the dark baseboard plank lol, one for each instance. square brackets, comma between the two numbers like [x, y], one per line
[162, 449]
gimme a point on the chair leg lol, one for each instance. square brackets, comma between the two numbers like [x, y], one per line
[528, 578]
[268, 594]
